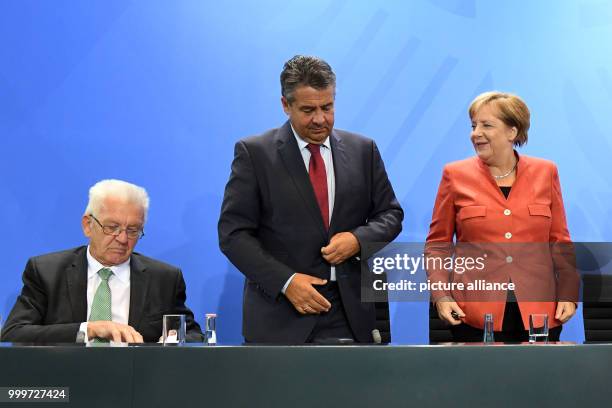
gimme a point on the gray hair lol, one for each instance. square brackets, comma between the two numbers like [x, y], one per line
[303, 70]
[119, 189]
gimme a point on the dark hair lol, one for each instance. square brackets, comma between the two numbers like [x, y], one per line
[303, 70]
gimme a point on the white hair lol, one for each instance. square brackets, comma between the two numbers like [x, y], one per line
[119, 189]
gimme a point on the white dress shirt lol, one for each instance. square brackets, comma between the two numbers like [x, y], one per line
[326, 154]
[119, 283]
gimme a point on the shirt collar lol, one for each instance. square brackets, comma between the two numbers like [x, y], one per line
[302, 143]
[121, 271]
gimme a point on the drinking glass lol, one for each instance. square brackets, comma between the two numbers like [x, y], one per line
[174, 329]
[210, 329]
[538, 327]
[488, 336]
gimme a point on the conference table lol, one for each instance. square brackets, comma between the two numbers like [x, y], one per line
[475, 375]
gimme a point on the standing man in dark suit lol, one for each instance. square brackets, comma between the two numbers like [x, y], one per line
[300, 202]
[102, 290]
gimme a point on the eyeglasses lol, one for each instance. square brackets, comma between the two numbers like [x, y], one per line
[116, 230]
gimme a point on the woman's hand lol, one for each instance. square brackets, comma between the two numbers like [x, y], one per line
[446, 306]
[565, 311]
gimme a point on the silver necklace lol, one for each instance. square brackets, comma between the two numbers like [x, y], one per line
[503, 176]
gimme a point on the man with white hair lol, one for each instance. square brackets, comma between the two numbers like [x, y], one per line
[104, 290]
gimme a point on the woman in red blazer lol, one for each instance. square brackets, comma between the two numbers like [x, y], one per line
[513, 205]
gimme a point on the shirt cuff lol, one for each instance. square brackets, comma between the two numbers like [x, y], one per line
[287, 283]
[83, 328]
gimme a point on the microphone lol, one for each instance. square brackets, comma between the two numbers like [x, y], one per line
[376, 336]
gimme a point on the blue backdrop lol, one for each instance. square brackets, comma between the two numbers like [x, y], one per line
[157, 93]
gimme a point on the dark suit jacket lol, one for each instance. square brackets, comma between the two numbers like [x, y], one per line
[271, 227]
[53, 301]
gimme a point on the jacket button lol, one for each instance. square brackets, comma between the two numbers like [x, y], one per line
[507, 212]
[508, 259]
[508, 235]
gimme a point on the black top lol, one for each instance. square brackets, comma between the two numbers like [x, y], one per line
[505, 190]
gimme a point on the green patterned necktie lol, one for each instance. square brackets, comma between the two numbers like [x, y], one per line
[101, 305]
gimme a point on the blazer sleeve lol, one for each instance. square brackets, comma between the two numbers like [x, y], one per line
[25, 323]
[439, 242]
[194, 332]
[563, 252]
[239, 223]
[384, 222]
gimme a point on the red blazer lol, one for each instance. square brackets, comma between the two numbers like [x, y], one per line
[471, 208]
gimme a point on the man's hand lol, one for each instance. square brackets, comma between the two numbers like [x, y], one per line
[565, 311]
[116, 332]
[446, 306]
[341, 247]
[304, 297]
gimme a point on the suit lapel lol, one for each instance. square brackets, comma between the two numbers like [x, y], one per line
[76, 277]
[487, 177]
[522, 168]
[294, 163]
[522, 177]
[522, 171]
[341, 175]
[139, 287]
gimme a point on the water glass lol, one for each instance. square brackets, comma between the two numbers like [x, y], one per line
[538, 327]
[210, 329]
[174, 329]
[488, 336]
